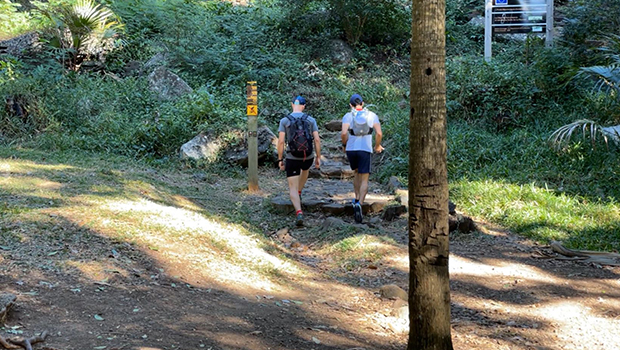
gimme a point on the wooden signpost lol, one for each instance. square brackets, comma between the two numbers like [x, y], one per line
[252, 113]
[517, 17]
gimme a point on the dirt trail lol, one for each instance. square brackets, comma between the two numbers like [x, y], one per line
[315, 287]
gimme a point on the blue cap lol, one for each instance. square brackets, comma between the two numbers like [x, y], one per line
[299, 100]
[356, 99]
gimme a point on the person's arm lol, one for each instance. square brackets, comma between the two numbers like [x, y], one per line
[344, 135]
[378, 137]
[280, 147]
[317, 148]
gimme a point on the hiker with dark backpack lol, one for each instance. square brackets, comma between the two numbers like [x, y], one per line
[299, 134]
[358, 127]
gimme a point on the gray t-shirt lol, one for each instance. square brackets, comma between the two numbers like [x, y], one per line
[285, 123]
[360, 143]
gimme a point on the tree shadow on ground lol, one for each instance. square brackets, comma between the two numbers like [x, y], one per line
[90, 289]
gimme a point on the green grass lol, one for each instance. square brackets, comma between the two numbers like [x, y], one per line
[540, 213]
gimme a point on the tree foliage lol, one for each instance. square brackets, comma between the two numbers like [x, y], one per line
[81, 31]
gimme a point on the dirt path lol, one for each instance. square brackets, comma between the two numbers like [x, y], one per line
[316, 287]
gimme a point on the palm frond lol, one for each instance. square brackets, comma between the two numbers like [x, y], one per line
[589, 129]
[609, 76]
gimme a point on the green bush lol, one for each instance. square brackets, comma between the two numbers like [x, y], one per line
[369, 22]
[586, 24]
[12, 20]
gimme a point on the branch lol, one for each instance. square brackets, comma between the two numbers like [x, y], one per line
[26, 343]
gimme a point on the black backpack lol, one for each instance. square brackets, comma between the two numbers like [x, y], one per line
[300, 138]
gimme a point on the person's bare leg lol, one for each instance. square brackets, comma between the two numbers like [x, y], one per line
[303, 177]
[293, 183]
[363, 186]
[356, 185]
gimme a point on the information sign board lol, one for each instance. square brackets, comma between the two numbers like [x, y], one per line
[517, 17]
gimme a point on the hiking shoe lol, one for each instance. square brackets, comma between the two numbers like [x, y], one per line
[300, 219]
[357, 212]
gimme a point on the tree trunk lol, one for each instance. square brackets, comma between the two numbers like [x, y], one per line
[429, 287]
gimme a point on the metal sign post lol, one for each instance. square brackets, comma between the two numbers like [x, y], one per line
[252, 113]
[517, 16]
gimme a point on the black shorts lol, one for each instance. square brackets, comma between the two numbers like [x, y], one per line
[294, 167]
[360, 161]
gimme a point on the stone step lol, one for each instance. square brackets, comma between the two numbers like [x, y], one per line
[333, 198]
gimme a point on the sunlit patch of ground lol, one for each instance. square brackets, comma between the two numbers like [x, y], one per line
[222, 251]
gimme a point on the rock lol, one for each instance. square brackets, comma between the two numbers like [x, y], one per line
[282, 205]
[313, 204]
[21, 45]
[402, 196]
[451, 208]
[334, 125]
[462, 223]
[393, 211]
[374, 207]
[467, 225]
[281, 233]
[332, 169]
[394, 184]
[6, 302]
[341, 53]
[200, 148]
[334, 209]
[400, 309]
[167, 84]
[332, 223]
[284, 237]
[392, 291]
[156, 61]
[477, 21]
[267, 143]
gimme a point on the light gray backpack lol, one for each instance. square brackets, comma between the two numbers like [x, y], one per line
[360, 123]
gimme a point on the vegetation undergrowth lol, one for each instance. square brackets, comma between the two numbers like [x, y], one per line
[500, 113]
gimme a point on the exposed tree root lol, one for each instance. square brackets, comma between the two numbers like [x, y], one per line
[602, 258]
[25, 343]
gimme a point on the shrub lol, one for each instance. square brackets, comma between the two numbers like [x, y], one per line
[12, 20]
[586, 22]
[370, 22]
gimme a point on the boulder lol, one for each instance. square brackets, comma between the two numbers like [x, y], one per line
[477, 21]
[282, 204]
[156, 61]
[341, 52]
[267, 143]
[20, 45]
[200, 148]
[334, 125]
[334, 209]
[394, 184]
[167, 84]
[333, 223]
[392, 291]
[461, 223]
[393, 211]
